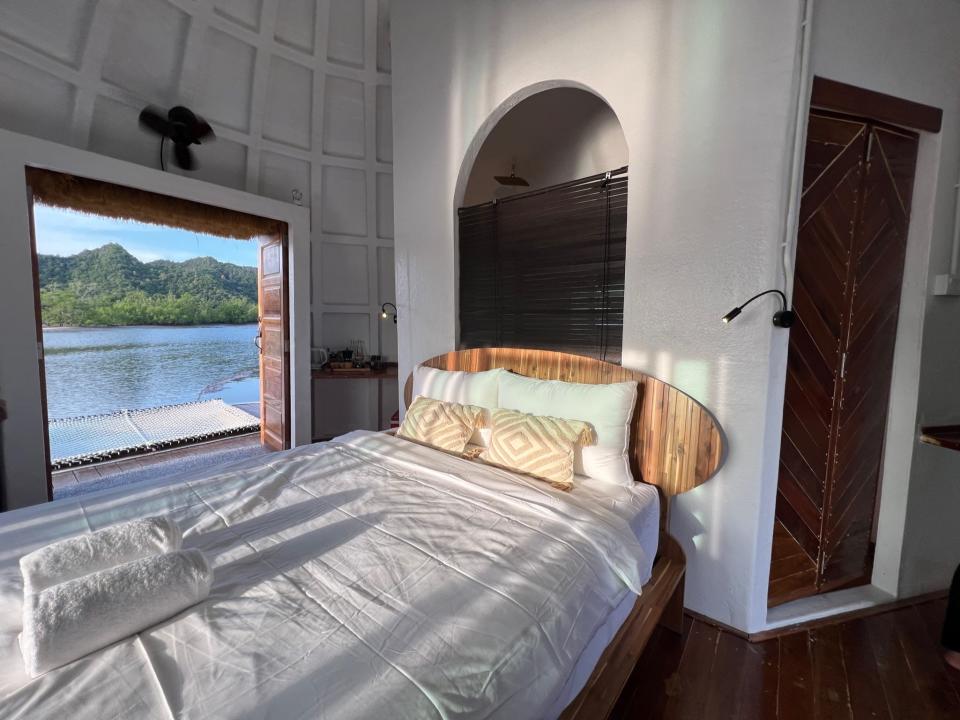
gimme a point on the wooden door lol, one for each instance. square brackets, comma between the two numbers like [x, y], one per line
[857, 186]
[274, 343]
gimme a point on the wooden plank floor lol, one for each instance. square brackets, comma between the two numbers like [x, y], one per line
[886, 666]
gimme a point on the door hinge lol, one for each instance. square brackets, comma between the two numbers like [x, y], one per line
[39, 350]
[286, 346]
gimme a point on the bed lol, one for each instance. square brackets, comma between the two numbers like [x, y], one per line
[373, 577]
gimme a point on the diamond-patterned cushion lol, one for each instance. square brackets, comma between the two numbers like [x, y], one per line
[444, 425]
[539, 446]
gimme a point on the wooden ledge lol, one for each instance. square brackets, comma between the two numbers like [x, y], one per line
[355, 374]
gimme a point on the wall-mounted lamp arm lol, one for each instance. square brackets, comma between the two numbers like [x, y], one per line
[385, 314]
[782, 318]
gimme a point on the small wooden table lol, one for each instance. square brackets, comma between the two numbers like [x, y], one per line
[945, 436]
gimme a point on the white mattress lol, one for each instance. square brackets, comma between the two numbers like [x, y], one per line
[640, 507]
[363, 578]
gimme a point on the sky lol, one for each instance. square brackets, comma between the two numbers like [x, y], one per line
[64, 232]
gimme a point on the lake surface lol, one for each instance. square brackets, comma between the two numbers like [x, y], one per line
[91, 371]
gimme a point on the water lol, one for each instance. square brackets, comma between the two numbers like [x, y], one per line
[91, 371]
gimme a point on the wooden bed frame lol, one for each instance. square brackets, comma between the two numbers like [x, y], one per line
[675, 444]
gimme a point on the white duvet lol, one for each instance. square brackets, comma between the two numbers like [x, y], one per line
[364, 578]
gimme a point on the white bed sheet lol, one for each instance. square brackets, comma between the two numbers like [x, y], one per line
[368, 577]
[640, 507]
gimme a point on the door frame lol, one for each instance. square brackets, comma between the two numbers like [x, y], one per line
[900, 430]
[24, 436]
[41, 351]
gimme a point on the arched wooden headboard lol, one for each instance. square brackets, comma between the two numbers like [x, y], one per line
[675, 443]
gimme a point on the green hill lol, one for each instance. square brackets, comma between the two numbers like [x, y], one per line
[109, 286]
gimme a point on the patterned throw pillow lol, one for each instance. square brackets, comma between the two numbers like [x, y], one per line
[444, 425]
[539, 446]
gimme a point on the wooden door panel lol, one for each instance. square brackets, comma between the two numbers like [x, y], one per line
[813, 405]
[806, 533]
[827, 138]
[879, 249]
[850, 252]
[273, 301]
[803, 483]
[824, 336]
[833, 180]
[821, 298]
[274, 344]
[808, 362]
[831, 229]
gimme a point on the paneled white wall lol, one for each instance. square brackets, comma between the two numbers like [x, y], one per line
[298, 93]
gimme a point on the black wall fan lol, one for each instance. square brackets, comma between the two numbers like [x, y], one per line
[182, 127]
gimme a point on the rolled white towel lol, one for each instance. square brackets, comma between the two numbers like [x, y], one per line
[72, 619]
[84, 554]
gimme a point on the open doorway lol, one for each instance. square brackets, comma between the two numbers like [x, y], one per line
[163, 329]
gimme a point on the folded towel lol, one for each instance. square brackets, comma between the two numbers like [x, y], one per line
[84, 554]
[72, 619]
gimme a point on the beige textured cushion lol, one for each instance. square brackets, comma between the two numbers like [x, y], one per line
[540, 446]
[445, 425]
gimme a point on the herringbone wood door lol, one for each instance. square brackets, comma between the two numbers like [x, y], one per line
[858, 179]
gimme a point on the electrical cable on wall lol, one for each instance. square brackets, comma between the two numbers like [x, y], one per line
[799, 131]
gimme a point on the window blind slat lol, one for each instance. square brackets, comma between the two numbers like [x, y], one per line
[545, 269]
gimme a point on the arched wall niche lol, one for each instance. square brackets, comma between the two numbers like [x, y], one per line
[569, 130]
[555, 130]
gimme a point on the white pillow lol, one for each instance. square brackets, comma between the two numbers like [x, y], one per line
[608, 408]
[464, 388]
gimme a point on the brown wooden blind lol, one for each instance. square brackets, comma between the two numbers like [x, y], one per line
[544, 269]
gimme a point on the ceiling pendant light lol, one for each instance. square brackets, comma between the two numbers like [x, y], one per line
[511, 179]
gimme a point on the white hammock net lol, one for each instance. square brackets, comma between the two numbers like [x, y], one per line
[79, 440]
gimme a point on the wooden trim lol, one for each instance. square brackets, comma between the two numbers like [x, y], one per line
[838, 96]
[675, 443]
[38, 314]
[388, 373]
[656, 605]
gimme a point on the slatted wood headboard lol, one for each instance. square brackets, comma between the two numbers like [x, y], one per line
[675, 443]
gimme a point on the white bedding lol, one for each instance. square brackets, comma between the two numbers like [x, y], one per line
[364, 578]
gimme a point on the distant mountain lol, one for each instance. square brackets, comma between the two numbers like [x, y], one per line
[109, 286]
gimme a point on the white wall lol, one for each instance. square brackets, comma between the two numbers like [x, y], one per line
[910, 50]
[23, 432]
[702, 90]
[298, 93]
[554, 136]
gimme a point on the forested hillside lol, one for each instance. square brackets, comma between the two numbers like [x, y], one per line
[109, 286]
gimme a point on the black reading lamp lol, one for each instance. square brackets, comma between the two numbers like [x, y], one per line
[384, 314]
[783, 318]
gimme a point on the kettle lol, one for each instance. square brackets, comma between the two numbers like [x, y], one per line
[319, 357]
